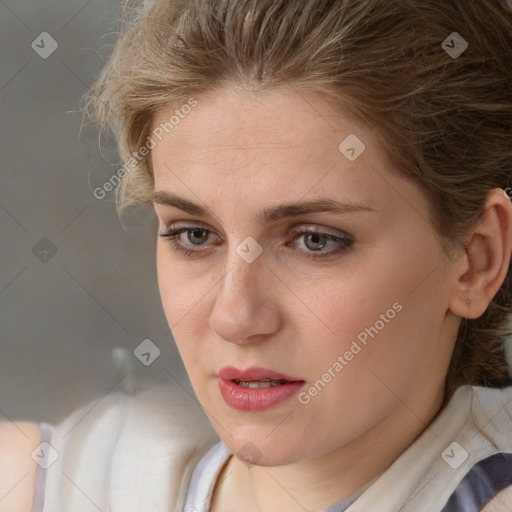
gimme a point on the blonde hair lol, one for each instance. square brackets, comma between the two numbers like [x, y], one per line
[445, 120]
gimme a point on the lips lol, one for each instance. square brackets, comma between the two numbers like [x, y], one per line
[255, 388]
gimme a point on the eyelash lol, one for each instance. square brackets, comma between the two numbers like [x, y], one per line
[172, 234]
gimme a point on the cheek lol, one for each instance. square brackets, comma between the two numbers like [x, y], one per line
[176, 299]
[375, 335]
[386, 353]
[355, 380]
[167, 286]
[178, 292]
[185, 302]
[348, 307]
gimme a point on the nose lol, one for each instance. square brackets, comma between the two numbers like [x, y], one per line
[245, 311]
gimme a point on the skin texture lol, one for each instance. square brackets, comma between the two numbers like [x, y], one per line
[501, 503]
[17, 468]
[238, 153]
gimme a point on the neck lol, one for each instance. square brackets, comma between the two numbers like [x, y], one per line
[319, 482]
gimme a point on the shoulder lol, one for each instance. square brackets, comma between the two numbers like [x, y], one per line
[128, 450]
[488, 443]
[502, 502]
[17, 468]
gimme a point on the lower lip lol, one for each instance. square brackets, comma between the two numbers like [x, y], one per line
[256, 399]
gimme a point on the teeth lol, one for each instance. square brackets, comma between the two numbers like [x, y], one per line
[256, 384]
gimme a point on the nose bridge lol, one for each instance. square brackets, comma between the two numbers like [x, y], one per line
[245, 254]
[240, 311]
[244, 267]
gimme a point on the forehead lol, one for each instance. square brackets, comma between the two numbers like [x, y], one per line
[271, 147]
[237, 129]
[236, 119]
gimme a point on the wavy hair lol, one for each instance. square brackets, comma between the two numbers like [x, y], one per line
[445, 121]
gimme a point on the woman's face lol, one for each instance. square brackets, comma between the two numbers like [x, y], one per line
[354, 317]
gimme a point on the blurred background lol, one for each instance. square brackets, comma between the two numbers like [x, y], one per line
[78, 292]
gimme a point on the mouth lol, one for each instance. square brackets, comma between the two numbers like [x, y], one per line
[255, 388]
[258, 384]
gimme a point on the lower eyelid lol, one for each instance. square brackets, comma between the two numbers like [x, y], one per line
[343, 242]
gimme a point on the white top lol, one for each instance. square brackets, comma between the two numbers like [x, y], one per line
[204, 478]
[152, 452]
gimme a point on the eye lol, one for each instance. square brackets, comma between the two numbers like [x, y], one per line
[314, 241]
[196, 234]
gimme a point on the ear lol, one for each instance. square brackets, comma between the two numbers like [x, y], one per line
[484, 266]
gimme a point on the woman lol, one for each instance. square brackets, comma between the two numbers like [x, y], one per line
[330, 182]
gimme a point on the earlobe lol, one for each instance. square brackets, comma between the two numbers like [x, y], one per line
[483, 268]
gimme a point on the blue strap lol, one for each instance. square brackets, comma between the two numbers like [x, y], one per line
[481, 484]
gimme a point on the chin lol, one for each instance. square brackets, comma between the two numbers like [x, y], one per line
[260, 451]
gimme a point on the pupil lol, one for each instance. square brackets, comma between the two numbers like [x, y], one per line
[314, 238]
[196, 231]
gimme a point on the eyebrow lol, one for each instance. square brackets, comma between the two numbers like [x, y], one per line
[270, 214]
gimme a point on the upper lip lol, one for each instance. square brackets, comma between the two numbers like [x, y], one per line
[253, 373]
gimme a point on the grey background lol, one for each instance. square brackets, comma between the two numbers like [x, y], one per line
[69, 321]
